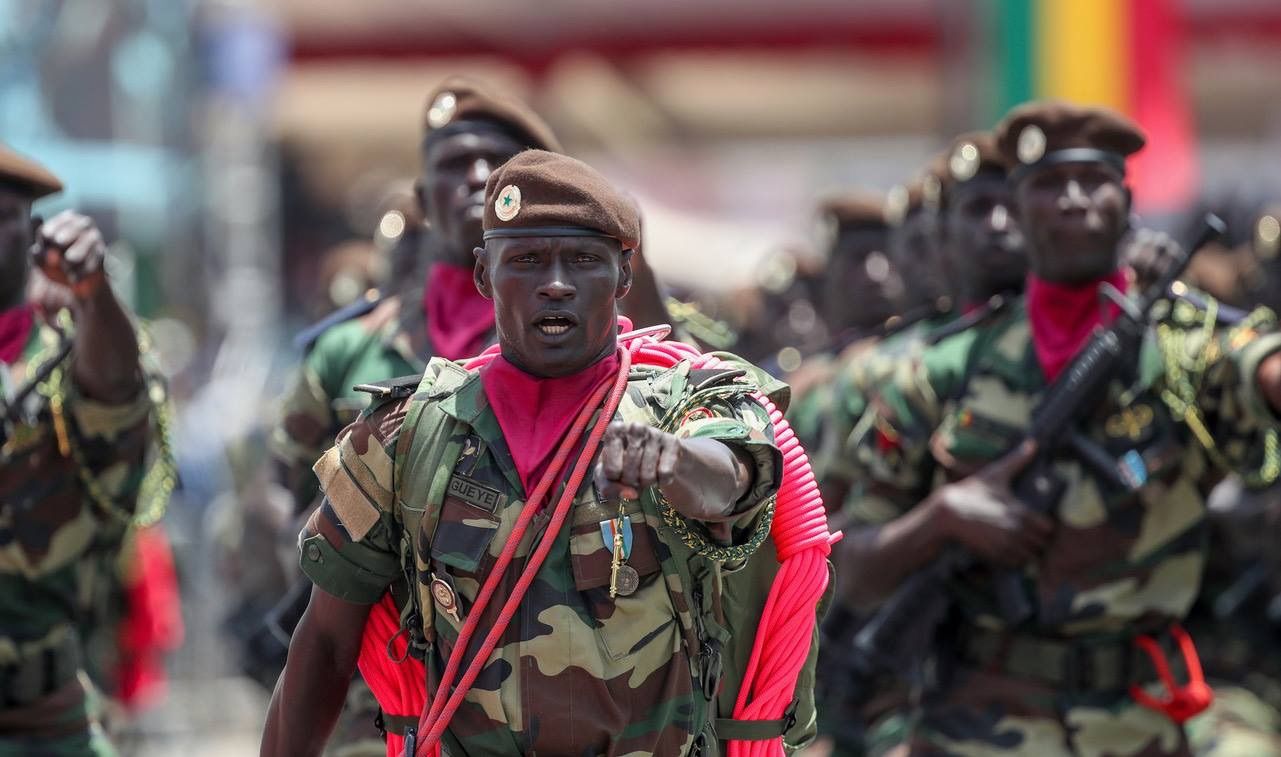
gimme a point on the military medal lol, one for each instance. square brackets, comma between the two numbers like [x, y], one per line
[616, 533]
[446, 598]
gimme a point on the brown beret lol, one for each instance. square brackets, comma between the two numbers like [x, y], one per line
[852, 210]
[546, 194]
[1045, 132]
[462, 99]
[27, 175]
[968, 156]
[920, 193]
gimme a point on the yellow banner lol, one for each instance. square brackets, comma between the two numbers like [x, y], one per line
[1082, 51]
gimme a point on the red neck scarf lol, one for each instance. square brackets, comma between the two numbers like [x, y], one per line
[534, 413]
[15, 330]
[1064, 316]
[458, 317]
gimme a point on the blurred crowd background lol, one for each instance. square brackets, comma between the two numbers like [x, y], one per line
[251, 160]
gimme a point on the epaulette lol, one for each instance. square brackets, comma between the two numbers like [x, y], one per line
[306, 339]
[703, 378]
[391, 389]
[971, 319]
[1225, 314]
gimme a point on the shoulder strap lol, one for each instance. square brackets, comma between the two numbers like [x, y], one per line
[424, 444]
[306, 339]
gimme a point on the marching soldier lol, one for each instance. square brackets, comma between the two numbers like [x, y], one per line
[1116, 561]
[77, 433]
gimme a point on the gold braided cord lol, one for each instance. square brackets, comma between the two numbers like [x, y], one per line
[689, 535]
[1185, 372]
[161, 477]
[701, 547]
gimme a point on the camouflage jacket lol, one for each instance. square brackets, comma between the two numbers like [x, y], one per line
[576, 672]
[71, 472]
[320, 400]
[1120, 563]
[857, 374]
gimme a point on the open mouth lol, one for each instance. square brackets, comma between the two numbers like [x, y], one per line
[555, 325]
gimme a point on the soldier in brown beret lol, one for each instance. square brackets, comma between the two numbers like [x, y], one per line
[1107, 566]
[912, 210]
[977, 222]
[76, 424]
[591, 624]
[469, 130]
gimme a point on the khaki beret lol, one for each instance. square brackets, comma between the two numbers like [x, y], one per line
[27, 175]
[546, 194]
[968, 156]
[1046, 132]
[462, 99]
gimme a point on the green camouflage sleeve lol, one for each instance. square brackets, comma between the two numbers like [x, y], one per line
[741, 423]
[303, 428]
[886, 455]
[115, 441]
[1210, 378]
[350, 546]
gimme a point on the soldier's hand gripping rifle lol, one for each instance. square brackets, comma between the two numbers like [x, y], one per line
[903, 627]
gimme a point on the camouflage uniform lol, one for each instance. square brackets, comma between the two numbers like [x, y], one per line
[70, 478]
[1119, 564]
[576, 672]
[388, 341]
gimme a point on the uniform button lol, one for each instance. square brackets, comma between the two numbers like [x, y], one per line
[313, 552]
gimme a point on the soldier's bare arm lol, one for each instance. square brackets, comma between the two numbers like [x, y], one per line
[978, 512]
[310, 693]
[70, 250]
[703, 478]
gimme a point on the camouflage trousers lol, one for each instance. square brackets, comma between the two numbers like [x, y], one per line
[985, 714]
[63, 724]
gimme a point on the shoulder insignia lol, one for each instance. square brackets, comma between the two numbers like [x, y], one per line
[995, 305]
[391, 389]
[306, 339]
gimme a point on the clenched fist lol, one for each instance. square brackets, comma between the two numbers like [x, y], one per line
[69, 250]
[634, 457]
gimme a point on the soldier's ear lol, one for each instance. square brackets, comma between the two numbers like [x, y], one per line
[624, 275]
[480, 273]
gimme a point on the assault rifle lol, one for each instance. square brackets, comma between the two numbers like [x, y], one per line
[904, 626]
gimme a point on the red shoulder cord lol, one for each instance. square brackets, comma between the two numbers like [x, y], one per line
[782, 643]
[1180, 703]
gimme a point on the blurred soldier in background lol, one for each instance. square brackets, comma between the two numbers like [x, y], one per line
[78, 433]
[860, 295]
[1106, 563]
[469, 131]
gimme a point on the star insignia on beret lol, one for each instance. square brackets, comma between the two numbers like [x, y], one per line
[508, 203]
[442, 110]
[964, 161]
[896, 203]
[1031, 147]
[1267, 237]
